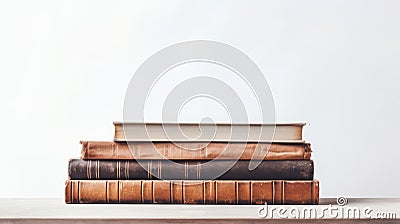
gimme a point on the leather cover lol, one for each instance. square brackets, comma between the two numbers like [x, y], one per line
[194, 151]
[189, 170]
[191, 192]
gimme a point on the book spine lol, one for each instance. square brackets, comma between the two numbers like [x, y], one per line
[190, 170]
[194, 151]
[156, 132]
[191, 192]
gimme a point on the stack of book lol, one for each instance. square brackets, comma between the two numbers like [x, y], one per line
[160, 167]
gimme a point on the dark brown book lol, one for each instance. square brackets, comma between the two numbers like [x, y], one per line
[97, 150]
[190, 170]
[191, 192]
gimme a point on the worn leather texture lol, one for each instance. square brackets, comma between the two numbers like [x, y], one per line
[194, 151]
[191, 192]
[189, 170]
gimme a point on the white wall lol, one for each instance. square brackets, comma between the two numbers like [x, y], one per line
[65, 66]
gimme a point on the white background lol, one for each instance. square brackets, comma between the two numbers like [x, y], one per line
[65, 66]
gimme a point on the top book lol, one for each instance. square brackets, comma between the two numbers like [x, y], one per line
[208, 132]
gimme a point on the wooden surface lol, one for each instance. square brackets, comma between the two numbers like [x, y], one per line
[56, 211]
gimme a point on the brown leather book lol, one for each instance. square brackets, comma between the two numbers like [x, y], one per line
[79, 169]
[191, 192]
[98, 150]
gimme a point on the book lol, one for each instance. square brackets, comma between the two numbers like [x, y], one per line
[190, 170]
[191, 192]
[206, 132]
[97, 150]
